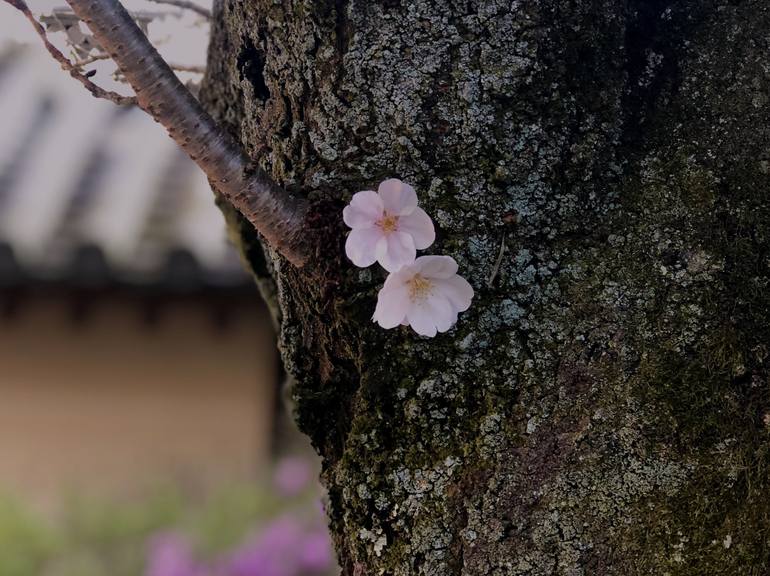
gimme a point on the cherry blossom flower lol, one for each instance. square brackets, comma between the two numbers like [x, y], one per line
[388, 227]
[427, 295]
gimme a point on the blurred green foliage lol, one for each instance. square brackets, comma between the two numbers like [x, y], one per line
[93, 537]
[26, 542]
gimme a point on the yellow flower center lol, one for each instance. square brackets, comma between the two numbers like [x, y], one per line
[419, 288]
[388, 223]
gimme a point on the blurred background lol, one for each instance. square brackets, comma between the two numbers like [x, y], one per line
[142, 430]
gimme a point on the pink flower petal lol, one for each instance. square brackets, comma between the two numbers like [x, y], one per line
[457, 290]
[401, 251]
[444, 314]
[399, 278]
[364, 210]
[392, 306]
[363, 246]
[398, 198]
[436, 266]
[382, 248]
[419, 225]
[434, 314]
[421, 322]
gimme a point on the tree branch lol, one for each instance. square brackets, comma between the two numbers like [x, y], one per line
[276, 214]
[187, 6]
[73, 69]
[100, 56]
[187, 68]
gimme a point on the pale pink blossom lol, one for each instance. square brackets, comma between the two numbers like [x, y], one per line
[427, 295]
[388, 227]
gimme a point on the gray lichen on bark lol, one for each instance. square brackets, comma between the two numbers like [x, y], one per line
[603, 407]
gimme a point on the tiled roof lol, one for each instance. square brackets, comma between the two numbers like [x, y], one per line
[89, 190]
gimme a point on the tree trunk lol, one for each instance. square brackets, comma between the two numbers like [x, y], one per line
[603, 407]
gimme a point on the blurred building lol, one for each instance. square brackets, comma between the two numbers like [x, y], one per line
[133, 347]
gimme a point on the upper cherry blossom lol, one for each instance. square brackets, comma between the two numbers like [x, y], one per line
[388, 227]
[427, 295]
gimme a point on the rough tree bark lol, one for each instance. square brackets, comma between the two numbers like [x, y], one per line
[603, 408]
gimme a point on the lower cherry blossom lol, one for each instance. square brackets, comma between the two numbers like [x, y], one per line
[427, 295]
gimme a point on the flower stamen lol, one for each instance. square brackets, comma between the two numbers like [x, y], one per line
[419, 288]
[388, 223]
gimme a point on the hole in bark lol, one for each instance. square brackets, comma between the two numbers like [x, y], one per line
[251, 65]
[342, 26]
[655, 32]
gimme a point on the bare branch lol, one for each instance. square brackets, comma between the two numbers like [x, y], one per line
[73, 69]
[188, 68]
[91, 59]
[100, 56]
[193, 68]
[496, 267]
[187, 6]
[278, 215]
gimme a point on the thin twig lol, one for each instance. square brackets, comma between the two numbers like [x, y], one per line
[498, 262]
[118, 75]
[188, 68]
[277, 214]
[187, 6]
[65, 63]
[91, 59]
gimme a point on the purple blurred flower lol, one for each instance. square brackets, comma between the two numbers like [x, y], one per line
[172, 555]
[284, 548]
[292, 475]
[271, 553]
[316, 554]
[287, 546]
